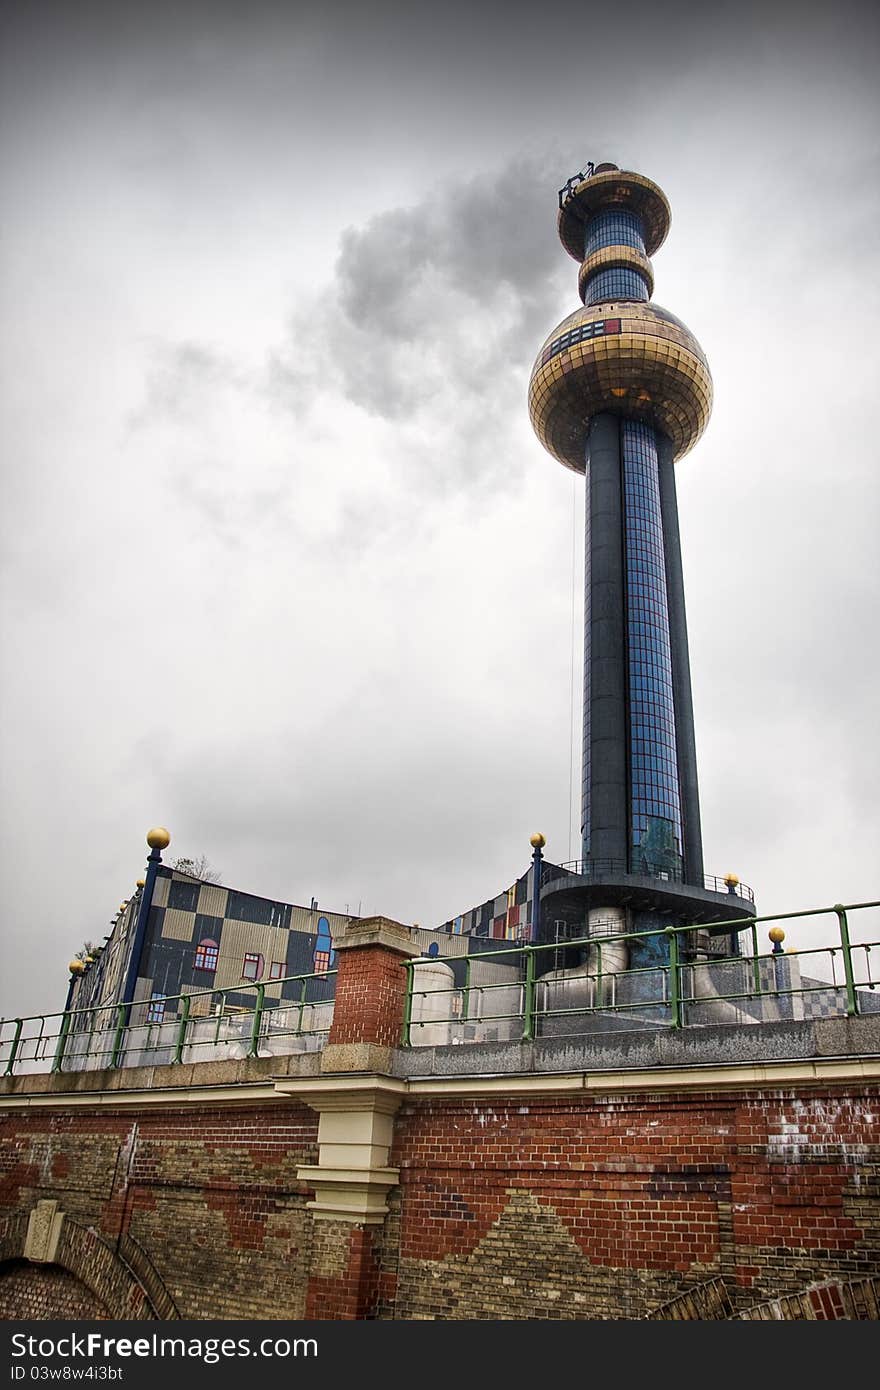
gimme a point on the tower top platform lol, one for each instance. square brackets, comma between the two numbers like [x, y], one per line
[606, 186]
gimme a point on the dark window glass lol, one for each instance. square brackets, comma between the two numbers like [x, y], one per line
[614, 227]
[614, 284]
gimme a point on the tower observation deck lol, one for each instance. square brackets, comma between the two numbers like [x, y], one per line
[620, 391]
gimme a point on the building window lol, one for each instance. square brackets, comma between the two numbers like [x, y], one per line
[614, 227]
[324, 957]
[277, 970]
[207, 952]
[617, 283]
[156, 1011]
[253, 966]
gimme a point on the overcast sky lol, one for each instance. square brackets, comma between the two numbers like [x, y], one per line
[285, 568]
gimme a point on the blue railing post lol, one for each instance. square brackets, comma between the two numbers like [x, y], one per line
[537, 842]
[157, 839]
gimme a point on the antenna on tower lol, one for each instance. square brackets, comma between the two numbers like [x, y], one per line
[571, 184]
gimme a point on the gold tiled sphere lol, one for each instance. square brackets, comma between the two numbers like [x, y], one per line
[158, 837]
[614, 188]
[632, 359]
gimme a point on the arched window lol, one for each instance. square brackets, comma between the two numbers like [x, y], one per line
[207, 952]
[324, 955]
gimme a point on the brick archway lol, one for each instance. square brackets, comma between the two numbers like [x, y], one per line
[31, 1292]
[114, 1282]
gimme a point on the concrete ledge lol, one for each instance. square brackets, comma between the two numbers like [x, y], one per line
[241, 1080]
[355, 1057]
[761, 1055]
[378, 931]
[648, 1049]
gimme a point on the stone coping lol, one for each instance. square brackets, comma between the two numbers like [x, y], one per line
[730, 1055]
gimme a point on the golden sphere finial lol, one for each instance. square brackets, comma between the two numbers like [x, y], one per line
[776, 935]
[140, 883]
[76, 966]
[123, 906]
[158, 837]
[537, 841]
[731, 880]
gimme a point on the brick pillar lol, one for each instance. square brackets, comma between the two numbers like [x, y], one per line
[344, 1277]
[357, 1098]
[370, 996]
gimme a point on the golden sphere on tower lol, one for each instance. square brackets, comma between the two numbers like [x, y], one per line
[537, 841]
[632, 359]
[123, 906]
[158, 837]
[731, 880]
[140, 883]
[776, 935]
[76, 967]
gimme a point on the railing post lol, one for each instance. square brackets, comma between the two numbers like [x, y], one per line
[406, 1032]
[852, 1005]
[254, 1049]
[598, 1001]
[14, 1047]
[756, 964]
[181, 1032]
[466, 990]
[674, 981]
[62, 1042]
[529, 998]
[302, 1004]
[121, 1020]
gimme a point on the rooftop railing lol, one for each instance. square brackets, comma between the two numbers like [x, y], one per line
[207, 1025]
[664, 873]
[681, 982]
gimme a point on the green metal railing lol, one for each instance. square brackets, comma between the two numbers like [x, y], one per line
[196, 1026]
[678, 992]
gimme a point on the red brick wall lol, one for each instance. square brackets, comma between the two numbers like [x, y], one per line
[608, 1206]
[370, 992]
[517, 1207]
[210, 1193]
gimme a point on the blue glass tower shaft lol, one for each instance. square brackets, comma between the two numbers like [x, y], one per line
[639, 796]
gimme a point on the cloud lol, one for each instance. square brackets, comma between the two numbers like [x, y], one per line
[430, 324]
